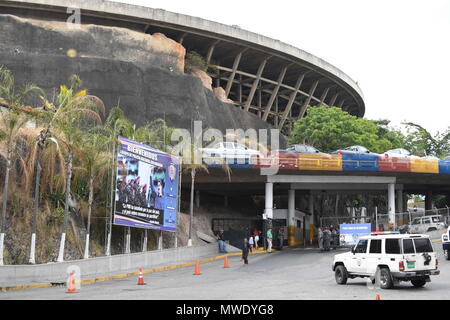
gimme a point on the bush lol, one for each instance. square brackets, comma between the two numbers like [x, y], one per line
[195, 61]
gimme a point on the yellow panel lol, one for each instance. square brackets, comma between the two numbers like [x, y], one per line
[317, 161]
[425, 165]
[291, 235]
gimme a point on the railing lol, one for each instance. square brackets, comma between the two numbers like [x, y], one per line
[381, 220]
[333, 162]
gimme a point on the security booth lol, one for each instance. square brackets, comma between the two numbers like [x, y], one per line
[294, 227]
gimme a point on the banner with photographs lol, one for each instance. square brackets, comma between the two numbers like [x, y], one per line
[147, 187]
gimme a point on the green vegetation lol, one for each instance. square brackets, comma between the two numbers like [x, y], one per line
[330, 129]
[422, 143]
[195, 61]
[65, 149]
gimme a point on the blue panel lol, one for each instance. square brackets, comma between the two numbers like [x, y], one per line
[359, 162]
[444, 166]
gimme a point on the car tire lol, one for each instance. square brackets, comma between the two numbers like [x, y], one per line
[418, 283]
[446, 254]
[431, 229]
[386, 281]
[340, 274]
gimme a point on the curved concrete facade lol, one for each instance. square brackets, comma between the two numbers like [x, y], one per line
[261, 75]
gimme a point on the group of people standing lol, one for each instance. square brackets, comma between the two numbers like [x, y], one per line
[328, 238]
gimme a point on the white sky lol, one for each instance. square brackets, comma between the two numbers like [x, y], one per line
[398, 51]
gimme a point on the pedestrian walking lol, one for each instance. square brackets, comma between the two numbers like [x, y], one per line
[319, 230]
[281, 238]
[245, 251]
[251, 242]
[256, 237]
[221, 241]
[269, 240]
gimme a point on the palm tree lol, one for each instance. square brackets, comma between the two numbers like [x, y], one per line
[116, 124]
[11, 123]
[66, 118]
[95, 163]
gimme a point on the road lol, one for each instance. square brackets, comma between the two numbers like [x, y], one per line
[293, 273]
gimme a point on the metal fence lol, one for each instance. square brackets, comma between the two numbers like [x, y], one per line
[381, 220]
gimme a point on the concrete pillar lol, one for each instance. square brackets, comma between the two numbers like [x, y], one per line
[391, 205]
[400, 209]
[311, 219]
[399, 201]
[428, 200]
[269, 201]
[290, 218]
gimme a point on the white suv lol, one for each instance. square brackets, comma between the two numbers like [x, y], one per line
[390, 258]
[426, 224]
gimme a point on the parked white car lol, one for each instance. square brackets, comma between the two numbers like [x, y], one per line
[399, 153]
[231, 152]
[389, 258]
[446, 243]
[427, 224]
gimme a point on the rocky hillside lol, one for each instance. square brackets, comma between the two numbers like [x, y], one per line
[142, 73]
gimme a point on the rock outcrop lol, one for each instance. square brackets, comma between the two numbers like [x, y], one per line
[143, 74]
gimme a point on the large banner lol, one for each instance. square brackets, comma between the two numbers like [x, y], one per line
[147, 187]
[350, 233]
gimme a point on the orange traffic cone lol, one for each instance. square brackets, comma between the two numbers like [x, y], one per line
[225, 263]
[141, 278]
[377, 297]
[72, 288]
[197, 269]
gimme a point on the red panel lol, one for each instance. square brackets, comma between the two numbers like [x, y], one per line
[394, 164]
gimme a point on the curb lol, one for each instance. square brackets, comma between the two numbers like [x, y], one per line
[125, 275]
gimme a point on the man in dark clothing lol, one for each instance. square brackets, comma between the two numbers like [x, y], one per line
[245, 251]
[281, 238]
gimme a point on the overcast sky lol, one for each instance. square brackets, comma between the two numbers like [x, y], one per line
[397, 50]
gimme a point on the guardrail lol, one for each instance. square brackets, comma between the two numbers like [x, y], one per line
[20, 275]
[333, 162]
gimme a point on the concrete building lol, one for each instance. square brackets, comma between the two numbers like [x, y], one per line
[266, 77]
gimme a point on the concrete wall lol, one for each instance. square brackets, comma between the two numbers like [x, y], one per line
[103, 266]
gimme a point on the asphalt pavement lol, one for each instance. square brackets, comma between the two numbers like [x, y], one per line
[294, 273]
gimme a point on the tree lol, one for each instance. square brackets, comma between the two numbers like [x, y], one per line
[422, 143]
[396, 137]
[73, 111]
[95, 162]
[11, 123]
[330, 129]
[191, 167]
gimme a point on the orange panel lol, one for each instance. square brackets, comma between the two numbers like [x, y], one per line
[317, 161]
[425, 165]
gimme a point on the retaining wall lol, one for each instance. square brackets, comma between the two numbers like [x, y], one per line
[20, 275]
